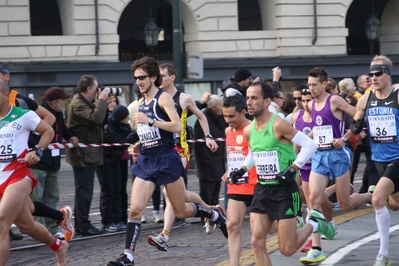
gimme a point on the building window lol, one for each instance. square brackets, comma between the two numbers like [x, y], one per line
[44, 18]
[249, 16]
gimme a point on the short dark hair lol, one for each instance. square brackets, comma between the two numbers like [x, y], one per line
[266, 91]
[236, 101]
[319, 72]
[149, 65]
[170, 68]
[84, 82]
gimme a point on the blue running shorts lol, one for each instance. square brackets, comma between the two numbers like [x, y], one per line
[332, 163]
[161, 168]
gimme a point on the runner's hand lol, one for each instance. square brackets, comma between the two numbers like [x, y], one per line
[235, 175]
[286, 176]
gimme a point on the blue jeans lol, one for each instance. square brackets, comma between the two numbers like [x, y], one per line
[47, 191]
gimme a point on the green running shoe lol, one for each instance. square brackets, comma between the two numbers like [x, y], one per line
[324, 227]
[313, 256]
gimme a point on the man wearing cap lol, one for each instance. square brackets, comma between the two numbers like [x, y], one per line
[238, 84]
[46, 170]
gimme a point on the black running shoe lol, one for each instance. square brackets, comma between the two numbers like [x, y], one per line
[121, 261]
[221, 221]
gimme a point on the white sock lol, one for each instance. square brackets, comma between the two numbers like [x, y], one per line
[215, 216]
[314, 224]
[382, 219]
[129, 254]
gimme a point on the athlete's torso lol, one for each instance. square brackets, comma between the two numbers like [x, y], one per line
[383, 124]
[237, 150]
[15, 128]
[154, 139]
[326, 126]
[270, 155]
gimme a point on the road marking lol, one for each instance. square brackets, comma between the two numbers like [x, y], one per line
[247, 256]
[337, 256]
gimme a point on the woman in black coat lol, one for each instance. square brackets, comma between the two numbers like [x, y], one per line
[117, 130]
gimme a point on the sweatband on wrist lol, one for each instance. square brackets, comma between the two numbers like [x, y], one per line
[308, 147]
[56, 245]
[249, 160]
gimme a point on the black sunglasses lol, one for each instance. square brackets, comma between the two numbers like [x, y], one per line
[377, 74]
[297, 98]
[140, 77]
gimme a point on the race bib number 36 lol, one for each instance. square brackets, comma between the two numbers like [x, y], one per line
[7, 148]
[382, 128]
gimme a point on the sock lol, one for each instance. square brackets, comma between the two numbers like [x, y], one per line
[314, 224]
[319, 212]
[129, 254]
[133, 229]
[202, 211]
[56, 245]
[382, 219]
[166, 234]
[316, 247]
[45, 211]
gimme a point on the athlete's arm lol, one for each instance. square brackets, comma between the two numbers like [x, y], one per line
[341, 104]
[166, 103]
[47, 134]
[283, 132]
[45, 115]
[189, 102]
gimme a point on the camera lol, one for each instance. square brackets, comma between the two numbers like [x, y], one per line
[113, 91]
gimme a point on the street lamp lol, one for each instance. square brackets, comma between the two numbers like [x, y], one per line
[151, 32]
[372, 27]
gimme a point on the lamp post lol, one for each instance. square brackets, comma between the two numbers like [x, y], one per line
[372, 27]
[151, 32]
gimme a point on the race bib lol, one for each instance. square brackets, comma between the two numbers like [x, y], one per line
[267, 165]
[323, 136]
[382, 128]
[150, 137]
[7, 148]
[235, 159]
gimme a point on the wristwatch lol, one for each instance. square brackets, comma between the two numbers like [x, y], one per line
[209, 136]
[292, 169]
[39, 151]
[150, 122]
[344, 139]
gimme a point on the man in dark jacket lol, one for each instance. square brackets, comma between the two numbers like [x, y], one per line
[86, 118]
[46, 170]
[211, 165]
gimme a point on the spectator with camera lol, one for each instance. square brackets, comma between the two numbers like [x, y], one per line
[86, 118]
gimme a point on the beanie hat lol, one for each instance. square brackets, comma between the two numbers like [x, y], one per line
[241, 74]
[119, 113]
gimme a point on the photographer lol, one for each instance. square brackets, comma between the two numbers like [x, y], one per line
[86, 118]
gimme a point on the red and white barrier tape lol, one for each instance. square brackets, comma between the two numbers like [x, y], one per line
[54, 146]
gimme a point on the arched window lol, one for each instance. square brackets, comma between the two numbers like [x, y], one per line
[44, 18]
